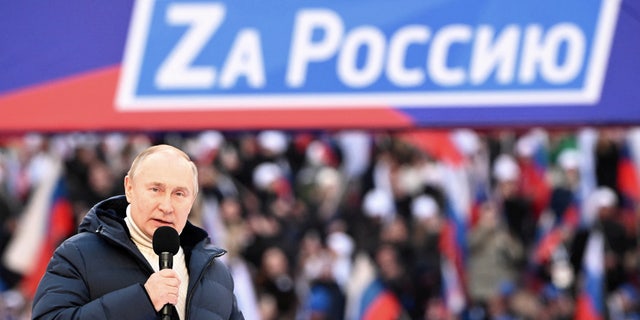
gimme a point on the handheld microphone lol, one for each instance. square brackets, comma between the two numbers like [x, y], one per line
[166, 243]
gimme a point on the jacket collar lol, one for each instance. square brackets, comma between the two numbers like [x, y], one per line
[108, 217]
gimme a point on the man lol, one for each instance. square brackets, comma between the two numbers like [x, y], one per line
[109, 269]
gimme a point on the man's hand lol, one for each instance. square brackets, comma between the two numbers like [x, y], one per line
[163, 287]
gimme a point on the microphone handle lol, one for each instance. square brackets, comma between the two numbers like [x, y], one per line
[166, 312]
[166, 262]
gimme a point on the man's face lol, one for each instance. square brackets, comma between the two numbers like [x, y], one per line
[161, 192]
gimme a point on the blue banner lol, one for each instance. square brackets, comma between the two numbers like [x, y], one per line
[409, 53]
[201, 64]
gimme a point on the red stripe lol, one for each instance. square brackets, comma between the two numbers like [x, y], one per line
[60, 226]
[384, 307]
[534, 184]
[547, 245]
[628, 179]
[585, 310]
[86, 102]
[571, 217]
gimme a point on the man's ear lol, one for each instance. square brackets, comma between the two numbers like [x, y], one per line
[128, 188]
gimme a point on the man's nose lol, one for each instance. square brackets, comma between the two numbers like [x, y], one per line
[165, 204]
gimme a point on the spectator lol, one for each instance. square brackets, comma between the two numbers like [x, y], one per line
[356, 189]
[495, 257]
[618, 244]
[514, 206]
[276, 286]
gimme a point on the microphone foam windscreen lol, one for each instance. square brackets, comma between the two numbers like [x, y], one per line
[166, 239]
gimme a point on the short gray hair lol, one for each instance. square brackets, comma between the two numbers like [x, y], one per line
[158, 149]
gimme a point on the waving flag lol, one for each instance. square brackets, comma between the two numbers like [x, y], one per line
[628, 177]
[453, 239]
[453, 290]
[551, 233]
[590, 303]
[534, 162]
[586, 147]
[379, 303]
[60, 225]
[47, 220]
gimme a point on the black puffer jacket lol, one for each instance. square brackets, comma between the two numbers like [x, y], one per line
[99, 274]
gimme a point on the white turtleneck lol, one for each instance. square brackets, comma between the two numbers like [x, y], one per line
[145, 245]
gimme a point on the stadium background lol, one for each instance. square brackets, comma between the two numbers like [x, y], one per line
[435, 212]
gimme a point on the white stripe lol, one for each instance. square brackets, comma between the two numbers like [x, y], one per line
[24, 248]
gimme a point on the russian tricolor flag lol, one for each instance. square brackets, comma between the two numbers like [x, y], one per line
[46, 221]
[379, 303]
[453, 288]
[453, 241]
[533, 161]
[551, 233]
[590, 300]
[628, 176]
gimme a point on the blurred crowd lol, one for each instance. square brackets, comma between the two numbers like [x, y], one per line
[421, 224]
